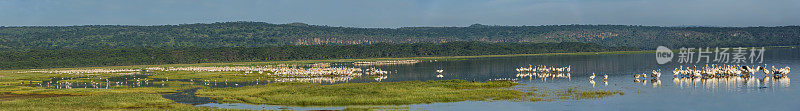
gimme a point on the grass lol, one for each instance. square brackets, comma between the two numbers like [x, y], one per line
[131, 101]
[388, 93]
[141, 98]
[577, 94]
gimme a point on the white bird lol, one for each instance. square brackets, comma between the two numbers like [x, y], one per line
[591, 77]
[656, 73]
[439, 71]
[637, 76]
[605, 77]
[439, 76]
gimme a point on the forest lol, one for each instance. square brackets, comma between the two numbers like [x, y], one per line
[57, 58]
[260, 34]
[112, 45]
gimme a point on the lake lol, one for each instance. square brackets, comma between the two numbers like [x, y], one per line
[666, 94]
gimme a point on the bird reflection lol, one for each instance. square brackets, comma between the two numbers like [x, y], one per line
[544, 76]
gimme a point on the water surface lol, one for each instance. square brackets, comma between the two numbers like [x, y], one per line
[663, 94]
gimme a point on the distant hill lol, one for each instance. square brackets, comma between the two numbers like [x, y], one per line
[259, 34]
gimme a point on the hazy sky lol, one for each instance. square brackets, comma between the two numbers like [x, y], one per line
[402, 13]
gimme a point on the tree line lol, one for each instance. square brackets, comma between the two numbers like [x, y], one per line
[259, 34]
[65, 57]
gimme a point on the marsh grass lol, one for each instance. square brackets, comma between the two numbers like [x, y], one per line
[577, 93]
[388, 93]
[129, 101]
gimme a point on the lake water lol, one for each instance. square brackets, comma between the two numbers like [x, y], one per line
[670, 94]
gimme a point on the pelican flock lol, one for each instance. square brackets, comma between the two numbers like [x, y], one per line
[542, 68]
[544, 72]
[395, 62]
[725, 71]
[316, 73]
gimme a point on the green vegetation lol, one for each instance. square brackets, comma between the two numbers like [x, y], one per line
[39, 98]
[259, 34]
[130, 101]
[114, 45]
[155, 55]
[349, 94]
[409, 92]
[577, 94]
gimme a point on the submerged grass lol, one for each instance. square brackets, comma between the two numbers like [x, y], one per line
[577, 94]
[388, 93]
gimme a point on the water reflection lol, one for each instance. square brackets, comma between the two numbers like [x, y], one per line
[544, 76]
[395, 62]
[733, 82]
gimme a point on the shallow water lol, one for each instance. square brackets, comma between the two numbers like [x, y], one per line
[687, 94]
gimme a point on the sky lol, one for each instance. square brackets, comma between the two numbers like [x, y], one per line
[403, 13]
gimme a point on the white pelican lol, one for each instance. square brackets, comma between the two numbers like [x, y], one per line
[640, 76]
[439, 71]
[591, 77]
[656, 73]
[605, 77]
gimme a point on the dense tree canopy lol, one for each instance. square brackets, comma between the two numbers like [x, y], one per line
[103, 45]
[259, 34]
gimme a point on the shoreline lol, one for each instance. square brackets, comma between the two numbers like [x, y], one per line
[349, 60]
[368, 59]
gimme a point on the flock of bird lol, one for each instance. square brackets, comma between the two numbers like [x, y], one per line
[732, 82]
[715, 71]
[542, 68]
[82, 71]
[544, 75]
[317, 73]
[140, 81]
[282, 71]
[323, 73]
[394, 62]
[655, 74]
[605, 79]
